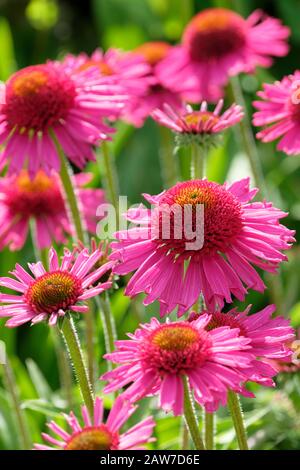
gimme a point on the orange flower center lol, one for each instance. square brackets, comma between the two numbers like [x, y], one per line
[53, 291]
[38, 97]
[93, 438]
[196, 119]
[153, 52]
[194, 195]
[30, 83]
[40, 183]
[219, 222]
[214, 33]
[175, 338]
[104, 68]
[38, 197]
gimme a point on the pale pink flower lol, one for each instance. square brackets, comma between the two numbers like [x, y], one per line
[157, 357]
[48, 295]
[218, 43]
[54, 97]
[41, 201]
[95, 434]
[237, 235]
[279, 113]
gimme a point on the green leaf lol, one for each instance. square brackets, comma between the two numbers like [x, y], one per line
[39, 381]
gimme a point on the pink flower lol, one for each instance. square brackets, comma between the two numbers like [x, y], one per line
[197, 125]
[40, 199]
[237, 235]
[54, 97]
[94, 434]
[269, 338]
[127, 69]
[218, 43]
[49, 295]
[279, 113]
[291, 362]
[158, 356]
[156, 95]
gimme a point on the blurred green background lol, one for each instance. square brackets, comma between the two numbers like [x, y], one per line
[33, 31]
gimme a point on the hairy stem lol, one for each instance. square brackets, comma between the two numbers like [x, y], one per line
[72, 341]
[190, 417]
[209, 419]
[236, 412]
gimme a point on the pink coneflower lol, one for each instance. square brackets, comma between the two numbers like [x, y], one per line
[158, 356]
[290, 363]
[49, 295]
[53, 97]
[218, 43]
[94, 434]
[40, 199]
[190, 125]
[127, 69]
[237, 235]
[269, 338]
[279, 112]
[139, 108]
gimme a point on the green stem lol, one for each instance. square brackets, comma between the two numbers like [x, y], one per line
[71, 338]
[209, 430]
[108, 322]
[247, 137]
[64, 368]
[234, 406]
[198, 162]
[81, 235]
[90, 343]
[185, 437]
[71, 199]
[111, 176]
[190, 416]
[12, 389]
[169, 161]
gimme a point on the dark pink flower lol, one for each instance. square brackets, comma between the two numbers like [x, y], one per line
[279, 113]
[218, 43]
[237, 234]
[157, 357]
[54, 98]
[40, 200]
[48, 295]
[95, 434]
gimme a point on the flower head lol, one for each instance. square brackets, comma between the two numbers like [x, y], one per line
[203, 127]
[49, 295]
[279, 113]
[179, 252]
[95, 434]
[127, 69]
[40, 199]
[218, 43]
[158, 356]
[53, 98]
[156, 94]
[270, 338]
